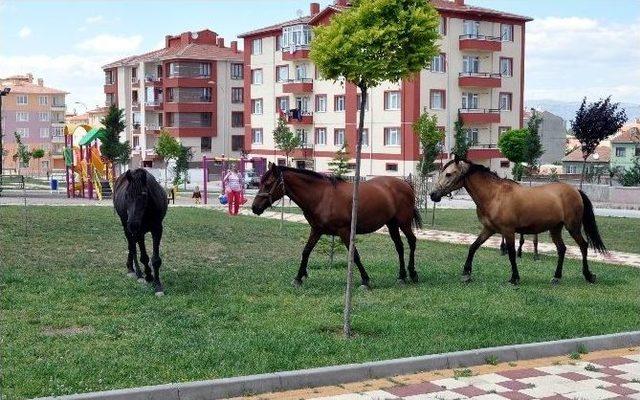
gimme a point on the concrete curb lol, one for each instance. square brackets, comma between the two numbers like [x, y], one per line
[289, 380]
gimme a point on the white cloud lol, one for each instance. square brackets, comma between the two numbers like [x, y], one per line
[94, 19]
[111, 44]
[24, 32]
[568, 58]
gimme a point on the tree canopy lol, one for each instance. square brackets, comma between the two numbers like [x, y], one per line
[169, 149]
[533, 149]
[461, 141]
[112, 148]
[339, 166]
[426, 128]
[513, 145]
[284, 139]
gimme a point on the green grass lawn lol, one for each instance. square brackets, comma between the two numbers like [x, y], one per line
[71, 321]
[615, 231]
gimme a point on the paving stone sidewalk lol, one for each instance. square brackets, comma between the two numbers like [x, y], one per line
[613, 257]
[597, 376]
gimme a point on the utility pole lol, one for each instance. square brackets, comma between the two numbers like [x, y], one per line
[3, 93]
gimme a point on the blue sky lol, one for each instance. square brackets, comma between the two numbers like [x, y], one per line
[574, 47]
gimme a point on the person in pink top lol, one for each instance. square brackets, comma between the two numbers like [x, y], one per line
[233, 186]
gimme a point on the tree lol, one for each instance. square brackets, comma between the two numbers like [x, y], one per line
[594, 123]
[533, 149]
[284, 139]
[513, 145]
[631, 176]
[372, 42]
[181, 168]
[37, 154]
[426, 128]
[22, 155]
[461, 141]
[112, 148]
[339, 166]
[169, 149]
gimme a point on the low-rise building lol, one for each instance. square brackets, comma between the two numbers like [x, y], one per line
[573, 162]
[553, 135]
[626, 146]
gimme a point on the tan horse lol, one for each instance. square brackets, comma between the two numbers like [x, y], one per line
[326, 204]
[507, 208]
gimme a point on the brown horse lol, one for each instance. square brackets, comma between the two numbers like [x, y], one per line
[507, 208]
[326, 204]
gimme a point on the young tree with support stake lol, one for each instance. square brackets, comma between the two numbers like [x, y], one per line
[533, 149]
[372, 42]
[426, 129]
[284, 139]
[112, 148]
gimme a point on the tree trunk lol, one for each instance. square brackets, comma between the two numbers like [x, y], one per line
[584, 166]
[354, 218]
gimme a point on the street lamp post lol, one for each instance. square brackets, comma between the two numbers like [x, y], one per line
[3, 93]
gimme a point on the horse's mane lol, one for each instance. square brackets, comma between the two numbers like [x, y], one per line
[479, 168]
[137, 183]
[334, 180]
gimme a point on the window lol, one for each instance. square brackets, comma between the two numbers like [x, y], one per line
[505, 101]
[237, 119]
[237, 142]
[22, 117]
[470, 64]
[282, 104]
[205, 143]
[21, 99]
[502, 130]
[338, 137]
[438, 64]
[256, 76]
[23, 132]
[237, 71]
[302, 135]
[301, 72]
[278, 42]
[282, 73]
[237, 95]
[109, 77]
[393, 167]
[471, 28]
[504, 163]
[366, 102]
[392, 136]
[437, 100]
[58, 131]
[256, 106]
[469, 100]
[506, 66]
[365, 137]
[442, 27]
[43, 116]
[506, 32]
[321, 103]
[621, 151]
[338, 103]
[204, 69]
[472, 136]
[303, 104]
[392, 100]
[44, 132]
[296, 36]
[281, 162]
[321, 136]
[256, 47]
[256, 136]
[43, 100]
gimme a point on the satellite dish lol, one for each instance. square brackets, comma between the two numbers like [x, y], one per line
[596, 156]
[299, 13]
[194, 35]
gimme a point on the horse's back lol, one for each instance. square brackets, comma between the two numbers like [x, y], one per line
[546, 205]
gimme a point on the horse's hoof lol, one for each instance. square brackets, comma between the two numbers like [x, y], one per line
[131, 274]
[591, 278]
[401, 281]
[365, 287]
[141, 280]
[555, 281]
[159, 294]
[414, 278]
[466, 278]
[514, 282]
[296, 283]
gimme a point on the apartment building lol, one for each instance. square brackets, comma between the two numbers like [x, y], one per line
[193, 88]
[37, 113]
[478, 77]
[553, 136]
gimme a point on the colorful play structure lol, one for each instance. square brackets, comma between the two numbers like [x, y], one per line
[220, 165]
[89, 175]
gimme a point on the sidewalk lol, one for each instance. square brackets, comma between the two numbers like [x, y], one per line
[613, 257]
[610, 374]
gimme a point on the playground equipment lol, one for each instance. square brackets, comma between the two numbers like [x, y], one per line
[220, 166]
[88, 173]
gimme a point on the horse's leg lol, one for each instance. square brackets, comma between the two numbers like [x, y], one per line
[510, 240]
[503, 247]
[132, 260]
[556, 236]
[156, 261]
[484, 235]
[144, 259]
[411, 239]
[394, 232]
[314, 236]
[363, 274]
[536, 256]
[520, 246]
[576, 234]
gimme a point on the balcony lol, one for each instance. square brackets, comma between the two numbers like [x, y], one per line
[153, 104]
[58, 106]
[150, 153]
[301, 85]
[153, 80]
[152, 128]
[472, 116]
[135, 80]
[293, 53]
[479, 80]
[57, 138]
[480, 43]
[135, 105]
[480, 151]
[296, 117]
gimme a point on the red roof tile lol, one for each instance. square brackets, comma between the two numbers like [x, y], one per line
[629, 133]
[20, 84]
[601, 155]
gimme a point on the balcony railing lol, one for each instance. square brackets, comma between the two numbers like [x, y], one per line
[481, 37]
[153, 103]
[58, 105]
[481, 74]
[135, 80]
[477, 145]
[475, 42]
[479, 115]
[298, 85]
[135, 104]
[152, 127]
[480, 79]
[295, 116]
[57, 138]
[150, 152]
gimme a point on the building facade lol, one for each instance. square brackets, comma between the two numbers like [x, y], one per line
[478, 77]
[553, 136]
[625, 146]
[36, 113]
[597, 163]
[192, 88]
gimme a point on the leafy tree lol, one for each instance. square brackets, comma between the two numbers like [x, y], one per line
[284, 139]
[594, 123]
[339, 166]
[461, 141]
[112, 148]
[513, 145]
[533, 149]
[372, 42]
[181, 168]
[169, 149]
[631, 176]
[23, 155]
[426, 128]
[37, 154]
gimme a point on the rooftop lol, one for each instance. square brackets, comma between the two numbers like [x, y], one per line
[23, 84]
[630, 133]
[601, 155]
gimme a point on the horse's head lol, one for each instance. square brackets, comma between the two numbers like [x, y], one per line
[451, 178]
[271, 189]
[138, 199]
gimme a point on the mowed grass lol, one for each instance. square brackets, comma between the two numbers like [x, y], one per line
[71, 321]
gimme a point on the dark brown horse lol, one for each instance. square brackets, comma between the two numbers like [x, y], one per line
[326, 204]
[507, 208]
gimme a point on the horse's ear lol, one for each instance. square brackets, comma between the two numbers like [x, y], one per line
[128, 175]
[272, 166]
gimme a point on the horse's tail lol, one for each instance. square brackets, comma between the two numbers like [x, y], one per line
[590, 226]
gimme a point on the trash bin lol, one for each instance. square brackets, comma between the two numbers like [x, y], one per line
[54, 185]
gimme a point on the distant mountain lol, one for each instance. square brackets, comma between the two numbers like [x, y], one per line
[567, 109]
